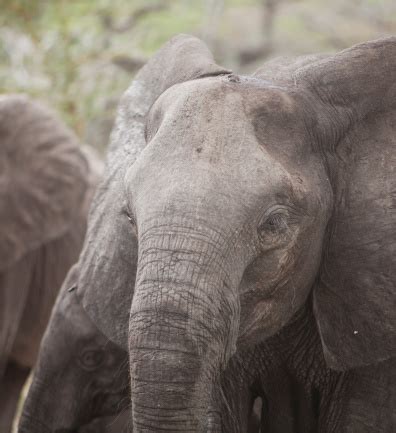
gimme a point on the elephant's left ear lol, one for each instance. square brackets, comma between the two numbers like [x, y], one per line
[355, 301]
[43, 177]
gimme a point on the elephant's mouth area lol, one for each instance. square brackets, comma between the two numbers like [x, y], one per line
[103, 404]
[110, 403]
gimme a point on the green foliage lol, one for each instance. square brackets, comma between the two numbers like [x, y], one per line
[20, 12]
[62, 50]
[65, 51]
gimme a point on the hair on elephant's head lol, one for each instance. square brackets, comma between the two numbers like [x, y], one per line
[80, 375]
[227, 201]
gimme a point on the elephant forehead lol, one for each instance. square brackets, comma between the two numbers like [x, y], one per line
[238, 119]
[229, 109]
[200, 102]
[212, 94]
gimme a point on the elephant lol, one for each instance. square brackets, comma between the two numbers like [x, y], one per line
[47, 181]
[241, 213]
[80, 367]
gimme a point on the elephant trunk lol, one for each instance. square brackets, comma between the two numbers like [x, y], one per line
[48, 407]
[32, 424]
[33, 418]
[183, 329]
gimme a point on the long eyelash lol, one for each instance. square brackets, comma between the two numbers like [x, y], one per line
[276, 219]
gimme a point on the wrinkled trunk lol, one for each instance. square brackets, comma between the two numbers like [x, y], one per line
[183, 329]
[34, 420]
[50, 406]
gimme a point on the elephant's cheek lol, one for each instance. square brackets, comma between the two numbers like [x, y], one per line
[258, 322]
[263, 318]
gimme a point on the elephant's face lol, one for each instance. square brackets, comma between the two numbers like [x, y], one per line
[229, 163]
[80, 374]
[230, 205]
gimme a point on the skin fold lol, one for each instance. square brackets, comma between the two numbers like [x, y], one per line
[241, 244]
[46, 185]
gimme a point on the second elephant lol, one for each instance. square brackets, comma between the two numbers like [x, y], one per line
[46, 184]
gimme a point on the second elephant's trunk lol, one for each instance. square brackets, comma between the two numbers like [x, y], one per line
[183, 328]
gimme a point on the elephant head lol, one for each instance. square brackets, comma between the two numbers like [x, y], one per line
[80, 375]
[43, 181]
[228, 200]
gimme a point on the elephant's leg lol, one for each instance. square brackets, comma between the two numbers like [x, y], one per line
[237, 410]
[10, 389]
[277, 414]
[235, 400]
[14, 290]
[51, 263]
[254, 425]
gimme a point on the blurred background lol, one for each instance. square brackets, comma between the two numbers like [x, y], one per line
[80, 55]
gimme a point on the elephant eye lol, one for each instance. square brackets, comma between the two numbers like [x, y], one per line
[274, 225]
[92, 359]
[132, 221]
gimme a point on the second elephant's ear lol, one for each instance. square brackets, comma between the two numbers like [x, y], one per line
[42, 177]
[355, 301]
[109, 258]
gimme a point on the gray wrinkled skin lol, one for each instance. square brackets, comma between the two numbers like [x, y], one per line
[80, 375]
[248, 249]
[46, 185]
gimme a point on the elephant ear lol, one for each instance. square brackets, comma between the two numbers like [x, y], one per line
[355, 300]
[109, 258]
[42, 177]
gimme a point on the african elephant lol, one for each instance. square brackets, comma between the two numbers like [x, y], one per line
[236, 211]
[46, 185]
[80, 375]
